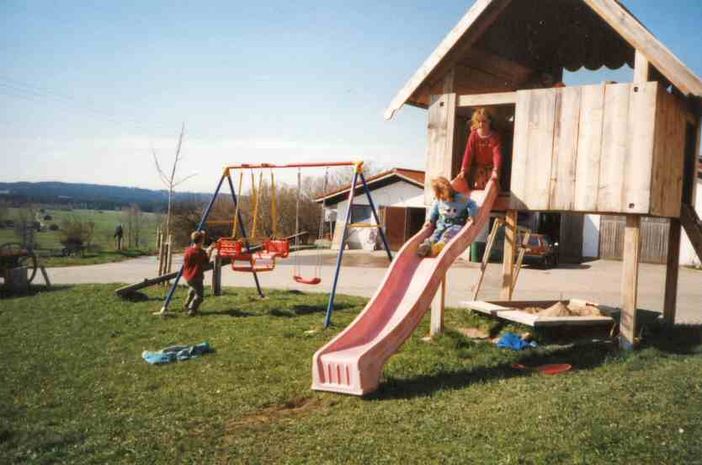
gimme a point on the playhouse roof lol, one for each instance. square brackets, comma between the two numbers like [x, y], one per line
[503, 45]
[377, 181]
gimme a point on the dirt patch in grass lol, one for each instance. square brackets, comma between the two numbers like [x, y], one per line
[294, 407]
[474, 333]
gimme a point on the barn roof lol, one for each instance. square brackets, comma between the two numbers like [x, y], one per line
[414, 177]
[503, 45]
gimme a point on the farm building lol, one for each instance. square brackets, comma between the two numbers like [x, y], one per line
[398, 194]
[603, 236]
[626, 149]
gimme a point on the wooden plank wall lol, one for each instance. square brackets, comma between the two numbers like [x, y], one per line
[668, 159]
[654, 238]
[590, 148]
[440, 143]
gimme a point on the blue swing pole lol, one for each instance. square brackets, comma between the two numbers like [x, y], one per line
[242, 231]
[167, 302]
[330, 307]
[375, 215]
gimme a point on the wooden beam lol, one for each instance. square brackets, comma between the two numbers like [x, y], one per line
[641, 68]
[436, 325]
[497, 66]
[508, 254]
[671, 272]
[630, 281]
[493, 98]
[486, 256]
[642, 40]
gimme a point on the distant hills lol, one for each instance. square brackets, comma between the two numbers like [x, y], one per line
[91, 196]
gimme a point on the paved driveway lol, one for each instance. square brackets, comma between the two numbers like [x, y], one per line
[598, 281]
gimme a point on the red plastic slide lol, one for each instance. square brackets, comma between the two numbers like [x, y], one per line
[353, 361]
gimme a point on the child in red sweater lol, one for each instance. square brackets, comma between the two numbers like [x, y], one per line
[483, 156]
[195, 260]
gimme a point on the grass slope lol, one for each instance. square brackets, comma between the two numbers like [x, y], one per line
[75, 390]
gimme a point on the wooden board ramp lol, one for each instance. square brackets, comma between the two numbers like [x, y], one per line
[693, 227]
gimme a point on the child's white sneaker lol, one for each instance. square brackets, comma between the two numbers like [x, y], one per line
[424, 248]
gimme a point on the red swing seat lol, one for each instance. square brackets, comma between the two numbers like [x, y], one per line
[277, 248]
[301, 280]
[231, 248]
[259, 265]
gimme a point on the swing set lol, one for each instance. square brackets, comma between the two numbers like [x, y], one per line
[244, 257]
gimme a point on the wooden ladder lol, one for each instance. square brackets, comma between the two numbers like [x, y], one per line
[693, 227]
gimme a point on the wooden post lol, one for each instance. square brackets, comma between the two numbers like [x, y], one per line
[441, 151]
[169, 254]
[217, 275]
[508, 254]
[671, 272]
[520, 259]
[630, 281]
[641, 68]
[486, 255]
[436, 326]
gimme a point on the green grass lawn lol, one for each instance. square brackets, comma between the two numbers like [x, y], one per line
[75, 390]
[103, 246]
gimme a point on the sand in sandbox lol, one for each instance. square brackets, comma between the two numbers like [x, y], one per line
[563, 309]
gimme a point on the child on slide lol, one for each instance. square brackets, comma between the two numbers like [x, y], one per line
[448, 214]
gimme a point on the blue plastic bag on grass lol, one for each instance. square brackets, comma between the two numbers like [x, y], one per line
[176, 353]
[513, 341]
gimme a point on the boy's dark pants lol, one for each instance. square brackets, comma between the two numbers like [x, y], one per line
[196, 294]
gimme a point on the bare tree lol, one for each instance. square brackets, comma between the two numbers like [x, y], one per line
[131, 217]
[169, 180]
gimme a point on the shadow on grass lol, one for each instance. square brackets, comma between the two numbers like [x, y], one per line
[5, 294]
[680, 339]
[581, 357]
[233, 312]
[298, 310]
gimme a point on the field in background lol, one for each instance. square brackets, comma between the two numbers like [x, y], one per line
[102, 244]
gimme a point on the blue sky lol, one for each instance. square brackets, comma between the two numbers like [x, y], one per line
[87, 88]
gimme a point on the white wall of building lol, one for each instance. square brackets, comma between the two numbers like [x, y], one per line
[591, 235]
[688, 256]
[399, 194]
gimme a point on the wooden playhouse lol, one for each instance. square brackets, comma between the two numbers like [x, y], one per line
[612, 148]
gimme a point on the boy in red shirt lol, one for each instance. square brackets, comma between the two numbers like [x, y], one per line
[195, 259]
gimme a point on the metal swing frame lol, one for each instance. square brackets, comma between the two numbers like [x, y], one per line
[226, 175]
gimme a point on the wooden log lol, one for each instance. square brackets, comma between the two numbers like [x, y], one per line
[671, 272]
[630, 281]
[217, 275]
[508, 254]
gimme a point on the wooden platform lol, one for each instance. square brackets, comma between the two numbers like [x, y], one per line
[512, 311]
